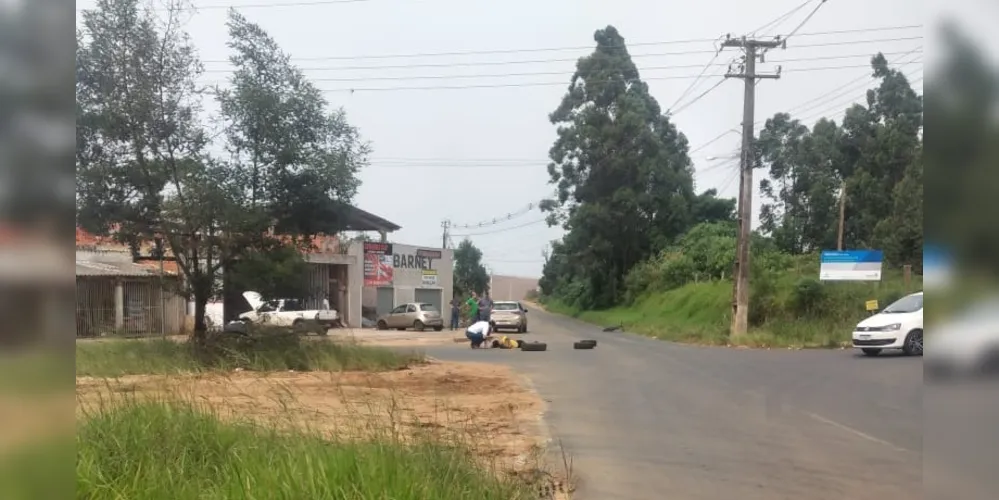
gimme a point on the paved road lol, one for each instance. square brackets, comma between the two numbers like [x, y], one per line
[646, 419]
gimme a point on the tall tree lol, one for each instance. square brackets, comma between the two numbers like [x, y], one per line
[469, 273]
[624, 182]
[144, 172]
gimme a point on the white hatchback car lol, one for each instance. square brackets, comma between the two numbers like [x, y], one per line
[898, 326]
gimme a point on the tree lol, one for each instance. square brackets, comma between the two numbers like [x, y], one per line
[623, 180]
[144, 172]
[469, 273]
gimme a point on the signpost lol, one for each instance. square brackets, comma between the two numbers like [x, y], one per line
[850, 265]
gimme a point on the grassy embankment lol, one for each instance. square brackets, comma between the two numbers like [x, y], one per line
[176, 449]
[785, 310]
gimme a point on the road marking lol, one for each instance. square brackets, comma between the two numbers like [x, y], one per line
[855, 432]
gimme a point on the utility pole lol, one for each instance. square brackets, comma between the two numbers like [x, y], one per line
[753, 50]
[842, 216]
[446, 225]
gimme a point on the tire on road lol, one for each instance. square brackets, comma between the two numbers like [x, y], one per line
[419, 326]
[438, 328]
[382, 325]
[533, 346]
[584, 344]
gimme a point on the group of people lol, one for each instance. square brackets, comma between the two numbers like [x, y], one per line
[480, 309]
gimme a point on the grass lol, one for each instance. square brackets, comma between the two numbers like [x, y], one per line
[700, 313]
[176, 451]
[262, 353]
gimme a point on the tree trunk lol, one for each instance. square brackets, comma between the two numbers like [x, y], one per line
[200, 304]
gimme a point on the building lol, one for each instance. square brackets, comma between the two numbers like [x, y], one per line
[395, 273]
[511, 287]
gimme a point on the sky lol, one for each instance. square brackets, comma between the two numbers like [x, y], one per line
[465, 137]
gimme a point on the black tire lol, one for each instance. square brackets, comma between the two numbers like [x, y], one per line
[533, 346]
[381, 325]
[438, 328]
[913, 345]
[522, 329]
[401, 329]
[585, 344]
[298, 326]
[871, 352]
[419, 326]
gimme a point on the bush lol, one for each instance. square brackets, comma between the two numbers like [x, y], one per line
[807, 297]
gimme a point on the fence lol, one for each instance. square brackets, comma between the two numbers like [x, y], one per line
[127, 306]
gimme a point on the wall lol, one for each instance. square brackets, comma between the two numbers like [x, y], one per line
[408, 264]
[510, 287]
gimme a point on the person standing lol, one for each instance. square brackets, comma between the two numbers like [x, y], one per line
[485, 307]
[455, 312]
[473, 307]
[477, 333]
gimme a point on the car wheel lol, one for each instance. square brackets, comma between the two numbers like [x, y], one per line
[438, 328]
[871, 352]
[418, 326]
[913, 343]
[523, 328]
[533, 346]
[382, 325]
[298, 326]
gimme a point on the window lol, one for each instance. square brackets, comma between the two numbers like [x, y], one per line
[269, 306]
[428, 308]
[411, 308]
[292, 305]
[911, 303]
[399, 310]
[506, 306]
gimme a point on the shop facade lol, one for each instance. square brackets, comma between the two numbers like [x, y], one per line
[395, 274]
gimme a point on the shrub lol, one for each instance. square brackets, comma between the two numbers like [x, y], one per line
[807, 297]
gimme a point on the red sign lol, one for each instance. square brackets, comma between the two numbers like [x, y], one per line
[377, 269]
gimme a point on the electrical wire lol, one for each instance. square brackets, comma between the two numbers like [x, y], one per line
[696, 80]
[698, 98]
[805, 21]
[781, 18]
[841, 105]
[497, 220]
[511, 228]
[712, 141]
[589, 47]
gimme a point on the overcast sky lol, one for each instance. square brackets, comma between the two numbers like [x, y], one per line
[476, 149]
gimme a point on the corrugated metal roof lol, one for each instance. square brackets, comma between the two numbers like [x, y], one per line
[129, 269]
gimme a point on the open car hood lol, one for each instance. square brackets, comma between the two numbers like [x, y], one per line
[254, 299]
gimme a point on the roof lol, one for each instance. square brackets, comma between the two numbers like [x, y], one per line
[90, 263]
[360, 220]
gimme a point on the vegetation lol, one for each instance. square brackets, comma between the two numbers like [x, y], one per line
[667, 272]
[172, 451]
[469, 273]
[257, 352]
[147, 171]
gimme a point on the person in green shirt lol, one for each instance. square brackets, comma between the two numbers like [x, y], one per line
[473, 306]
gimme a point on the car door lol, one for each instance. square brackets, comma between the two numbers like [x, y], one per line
[395, 318]
[412, 313]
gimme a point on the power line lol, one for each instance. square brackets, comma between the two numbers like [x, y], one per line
[839, 105]
[586, 47]
[805, 21]
[550, 84]
[712, 141]
[781, 18]
[511, 228]
[696, 80]
[497, 220]
[699, 97]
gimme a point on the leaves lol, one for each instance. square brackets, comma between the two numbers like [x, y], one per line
[469, 273]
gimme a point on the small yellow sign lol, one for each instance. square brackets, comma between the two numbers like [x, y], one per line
[871, 305]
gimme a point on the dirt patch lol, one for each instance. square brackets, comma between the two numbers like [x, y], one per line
[486, 407]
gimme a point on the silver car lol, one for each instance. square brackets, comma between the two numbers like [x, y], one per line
[418, 316]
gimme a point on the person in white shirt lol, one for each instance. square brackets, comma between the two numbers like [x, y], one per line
[477, 333]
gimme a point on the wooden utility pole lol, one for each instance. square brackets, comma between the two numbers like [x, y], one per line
[753, 50]
[842, 216]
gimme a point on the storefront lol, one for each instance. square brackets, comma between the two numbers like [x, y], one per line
[395, 274]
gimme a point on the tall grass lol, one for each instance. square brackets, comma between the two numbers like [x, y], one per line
[785, 310]
[258, 353]
[176, 451]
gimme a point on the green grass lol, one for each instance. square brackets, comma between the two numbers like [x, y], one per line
[700, 313]
[119, 357]
[175, 451]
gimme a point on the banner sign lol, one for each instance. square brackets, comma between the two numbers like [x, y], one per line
[429, 277]
[377, 264]
[850, 265]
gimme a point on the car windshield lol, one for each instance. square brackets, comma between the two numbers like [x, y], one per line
[908, 304]
[428, 308]
[505, 306]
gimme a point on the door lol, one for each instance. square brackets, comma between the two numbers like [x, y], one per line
[397, 317]
[433, 296]
[385, 300]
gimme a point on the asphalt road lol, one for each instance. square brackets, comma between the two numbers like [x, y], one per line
[646, 419]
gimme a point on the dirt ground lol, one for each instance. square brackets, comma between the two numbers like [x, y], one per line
[486, 406]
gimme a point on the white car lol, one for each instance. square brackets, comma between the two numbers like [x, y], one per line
[898, 326]
[285, 312]
[967, 344]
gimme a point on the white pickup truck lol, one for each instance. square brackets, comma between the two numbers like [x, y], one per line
[285, 312]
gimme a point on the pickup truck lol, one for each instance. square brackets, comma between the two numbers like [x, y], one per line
[286, 312]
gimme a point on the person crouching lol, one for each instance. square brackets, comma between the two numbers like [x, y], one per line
[477, 333]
